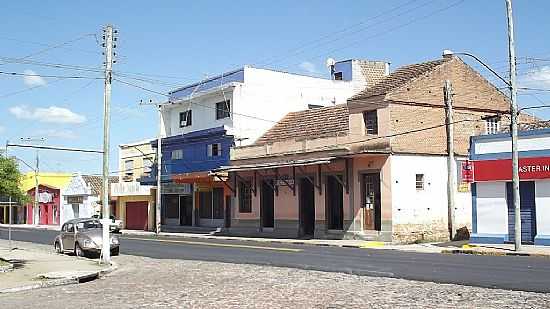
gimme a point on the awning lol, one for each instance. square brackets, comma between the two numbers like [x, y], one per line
[262, 166]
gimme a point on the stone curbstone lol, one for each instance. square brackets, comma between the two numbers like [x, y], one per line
[64, 281]
[492, 253]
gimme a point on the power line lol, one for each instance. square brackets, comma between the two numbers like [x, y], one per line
[49, 76]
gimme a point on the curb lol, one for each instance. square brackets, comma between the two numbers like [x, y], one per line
[492, 253]
[64, 281]
[260, 240]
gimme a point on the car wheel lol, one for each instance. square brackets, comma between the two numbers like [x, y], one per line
[115, 251]
[57, 247]
[78, 250]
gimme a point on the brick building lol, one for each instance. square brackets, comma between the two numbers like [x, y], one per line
[373, 168]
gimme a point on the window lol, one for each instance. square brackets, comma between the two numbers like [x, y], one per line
[70, 228]
[186, 118]
[338, 76]
[245, 196]
[215, 150]
[419, 182]
[223, 109]
[371, 121]
[491, 125]
[177, 154]
[129, 167]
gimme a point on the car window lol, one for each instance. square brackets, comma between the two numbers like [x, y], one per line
[70, 227]
[92, 224]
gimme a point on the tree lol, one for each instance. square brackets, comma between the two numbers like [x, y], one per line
[10, 178]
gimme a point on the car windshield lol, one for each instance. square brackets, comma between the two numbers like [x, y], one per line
[92, 224]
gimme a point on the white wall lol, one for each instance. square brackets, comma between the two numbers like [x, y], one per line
[526, 143]
[542, 202]
[86, 209]
[492, 210]
[412, 206]
[266, 95]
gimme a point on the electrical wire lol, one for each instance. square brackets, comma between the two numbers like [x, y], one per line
[48, 76]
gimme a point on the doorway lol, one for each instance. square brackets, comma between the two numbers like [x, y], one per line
[335, 202]
[186, 210]
[307, 207]
[371, 205]
[267, 203]
[527, 212]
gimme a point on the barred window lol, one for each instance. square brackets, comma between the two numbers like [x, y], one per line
[491, 125]
[419, 182]
[245, 196]
[371, 121]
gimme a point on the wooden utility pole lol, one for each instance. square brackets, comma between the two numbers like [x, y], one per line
[451, 170]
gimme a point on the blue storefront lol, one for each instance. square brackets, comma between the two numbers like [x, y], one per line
[190, 195]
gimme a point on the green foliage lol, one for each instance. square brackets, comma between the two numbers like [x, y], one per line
[10, 178]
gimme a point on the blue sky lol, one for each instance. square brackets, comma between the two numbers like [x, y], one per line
[173, 43]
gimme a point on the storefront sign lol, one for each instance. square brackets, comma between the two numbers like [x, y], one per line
[529, 169]
[78, 199]
[173, 188]
[45, 197]
[467, 172]
[129, 189]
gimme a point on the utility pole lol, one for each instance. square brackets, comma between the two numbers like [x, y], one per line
[451, 171]
[108, 44]
[158, 202]
[36, 206]
[514, 127]
[159, 173]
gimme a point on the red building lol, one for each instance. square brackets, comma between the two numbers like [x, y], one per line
[49, 205]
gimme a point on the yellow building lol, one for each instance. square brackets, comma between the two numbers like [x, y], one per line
[135, 204]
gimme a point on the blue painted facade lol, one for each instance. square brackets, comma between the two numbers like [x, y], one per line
[346, 68]
[195, 157]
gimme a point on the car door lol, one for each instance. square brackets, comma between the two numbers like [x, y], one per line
[68, 237]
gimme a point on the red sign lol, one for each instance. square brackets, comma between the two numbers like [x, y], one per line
[529, 168]
[467, 172]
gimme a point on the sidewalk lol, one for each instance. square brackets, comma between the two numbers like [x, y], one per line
[343, 243]
[35, 227]
[34, 267]
[499, 250]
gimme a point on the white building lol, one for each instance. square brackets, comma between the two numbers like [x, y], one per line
[248, 101]
[492, 203]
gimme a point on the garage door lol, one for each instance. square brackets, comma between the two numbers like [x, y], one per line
[136, 216]
[527, 212]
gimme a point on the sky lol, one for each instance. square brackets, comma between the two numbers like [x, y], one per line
[166, 44]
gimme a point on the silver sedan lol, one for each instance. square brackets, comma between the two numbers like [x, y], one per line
[83, 237]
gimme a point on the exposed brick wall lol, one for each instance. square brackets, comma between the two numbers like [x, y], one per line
[373, 71]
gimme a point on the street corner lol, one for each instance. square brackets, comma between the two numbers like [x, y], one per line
[33, 268]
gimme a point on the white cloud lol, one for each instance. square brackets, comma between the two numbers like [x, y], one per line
[536, 78]
[308, 67]
[52, 114]
[32, 79]
[64, 134]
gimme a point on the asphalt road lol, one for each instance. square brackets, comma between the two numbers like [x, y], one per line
[506, 272]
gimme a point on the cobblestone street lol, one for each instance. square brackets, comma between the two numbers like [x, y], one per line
[154, 283]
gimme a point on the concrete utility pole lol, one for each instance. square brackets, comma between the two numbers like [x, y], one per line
[159, 173]
[514, 126]
[108, 44]
[451, 171]
[36, 206]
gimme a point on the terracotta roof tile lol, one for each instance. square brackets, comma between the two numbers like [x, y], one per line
[398, 78]
[95, 182]
[316, 122]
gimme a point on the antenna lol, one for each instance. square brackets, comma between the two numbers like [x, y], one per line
[330, 65]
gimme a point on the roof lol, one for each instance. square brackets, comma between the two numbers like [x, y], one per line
[95, 182]
[398, 78]
[316, 122]
[534, 125]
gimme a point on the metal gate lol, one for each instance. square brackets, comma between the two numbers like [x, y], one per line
[527, 207]
[136, 216]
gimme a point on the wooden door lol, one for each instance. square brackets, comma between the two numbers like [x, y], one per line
[371, 201]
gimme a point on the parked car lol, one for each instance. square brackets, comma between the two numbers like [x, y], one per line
[115, 226]
[83, 237]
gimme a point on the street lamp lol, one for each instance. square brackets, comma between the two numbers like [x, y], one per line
[514, 132]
